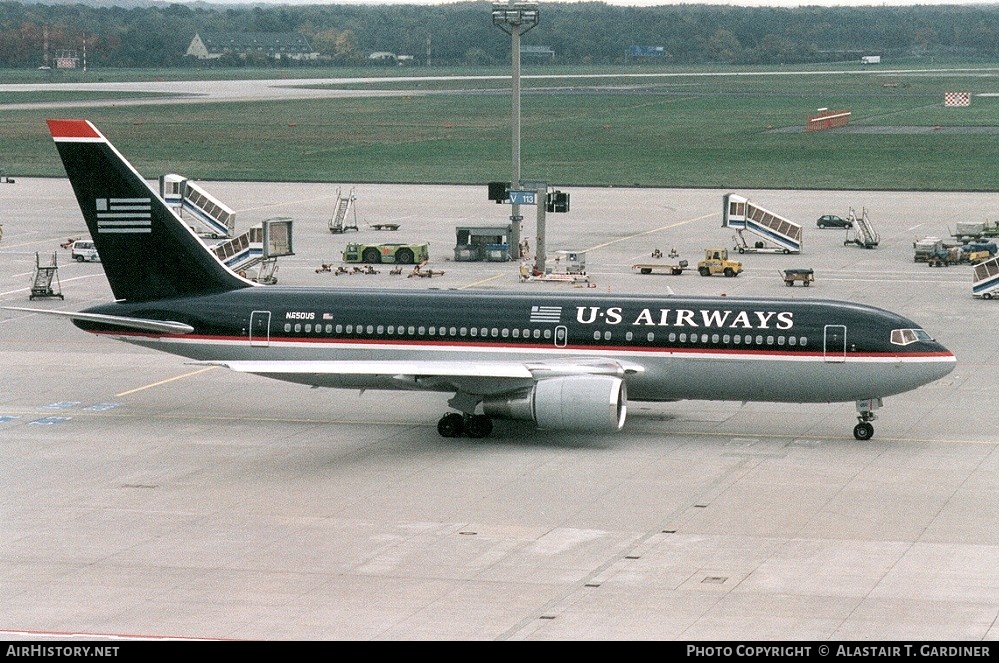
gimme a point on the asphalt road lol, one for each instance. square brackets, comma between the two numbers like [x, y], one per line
[145, 497]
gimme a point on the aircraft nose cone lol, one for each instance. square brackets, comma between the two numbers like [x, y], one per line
[947, 363]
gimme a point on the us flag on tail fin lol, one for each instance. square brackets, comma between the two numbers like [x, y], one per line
[124, 215]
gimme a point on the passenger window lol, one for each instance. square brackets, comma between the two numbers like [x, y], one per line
[651, 337]
[495, 332]
[298, 327]
[505, 332]
[308, 328]
[792, 340]
[463, 331]
[737, 339]
[454, 331]
[714, 338]
[683, 338]
[475, 331]
[423, 331]
[803, 342]
[759, 340]
[726, 339]
[780, 340]
[548, 333]
[596, 336]
[537, 333]
[628, 336]
[672, 337]
[350, 329]
[607, 336]
[516, 333]
[770, 340]
[411, 330]
[371, 329]
[381, 329]
[287, 326]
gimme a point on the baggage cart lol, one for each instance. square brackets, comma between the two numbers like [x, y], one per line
[802, 275]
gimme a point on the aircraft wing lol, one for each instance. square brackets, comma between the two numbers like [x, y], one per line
[480, 377]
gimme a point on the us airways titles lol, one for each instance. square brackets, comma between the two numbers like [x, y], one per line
[680, 317]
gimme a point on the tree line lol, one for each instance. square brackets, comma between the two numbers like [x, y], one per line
[591, 33]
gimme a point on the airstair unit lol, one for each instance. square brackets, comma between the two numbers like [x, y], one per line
[259, 247]
[339, 222]
[777, 234]
[212, 217]
[861, 231]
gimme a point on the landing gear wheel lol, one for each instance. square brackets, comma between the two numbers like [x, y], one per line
[478, 426]
[863, 431]
[451, 425]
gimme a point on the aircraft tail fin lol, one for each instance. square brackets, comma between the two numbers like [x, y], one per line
[147, 251]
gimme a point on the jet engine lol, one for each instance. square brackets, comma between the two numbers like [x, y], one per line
[589, 403]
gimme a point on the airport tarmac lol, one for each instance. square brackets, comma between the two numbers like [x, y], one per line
[146, 497]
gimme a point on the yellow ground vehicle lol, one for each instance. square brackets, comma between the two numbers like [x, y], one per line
[404, 254]
[716, 262]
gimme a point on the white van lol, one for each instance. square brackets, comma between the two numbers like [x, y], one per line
[83, 250]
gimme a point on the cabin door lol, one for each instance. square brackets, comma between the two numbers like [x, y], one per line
[260, 329]
[834, 346]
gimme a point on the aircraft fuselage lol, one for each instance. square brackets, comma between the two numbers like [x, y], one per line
[713, 348]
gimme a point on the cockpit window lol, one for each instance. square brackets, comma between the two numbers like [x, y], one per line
[907, 336]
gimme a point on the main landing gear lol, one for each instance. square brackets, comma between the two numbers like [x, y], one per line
[455, 424]
[865, 414]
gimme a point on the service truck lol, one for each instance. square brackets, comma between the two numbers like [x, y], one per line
[403, 254]
[716, 262]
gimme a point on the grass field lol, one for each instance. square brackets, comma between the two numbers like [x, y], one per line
[687, 129]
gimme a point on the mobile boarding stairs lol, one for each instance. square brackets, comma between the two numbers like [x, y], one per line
[254, 254]
[211, 217]
[985, 279]
[861, 231]
[339, 222]
[776, 234]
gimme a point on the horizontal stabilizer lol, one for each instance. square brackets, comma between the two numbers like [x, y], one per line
[156, 326]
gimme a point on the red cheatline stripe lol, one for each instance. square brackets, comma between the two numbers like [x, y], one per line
[72, 129]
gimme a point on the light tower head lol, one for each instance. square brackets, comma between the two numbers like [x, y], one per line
[519, 16]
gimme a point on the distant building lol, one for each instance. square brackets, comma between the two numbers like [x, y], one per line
[382, 56]
[538, 51]
[277, 45]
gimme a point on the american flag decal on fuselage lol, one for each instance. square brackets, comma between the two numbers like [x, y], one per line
[124, 215]
[546, 314]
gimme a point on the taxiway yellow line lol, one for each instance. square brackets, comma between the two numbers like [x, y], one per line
[167, 381]
[650, 232]
[491, 278]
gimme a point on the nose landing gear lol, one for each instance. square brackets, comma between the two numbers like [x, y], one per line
[865, 414]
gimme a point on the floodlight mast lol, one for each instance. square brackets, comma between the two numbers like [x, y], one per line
[515, 19]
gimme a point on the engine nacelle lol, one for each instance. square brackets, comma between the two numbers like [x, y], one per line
[591, 403]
